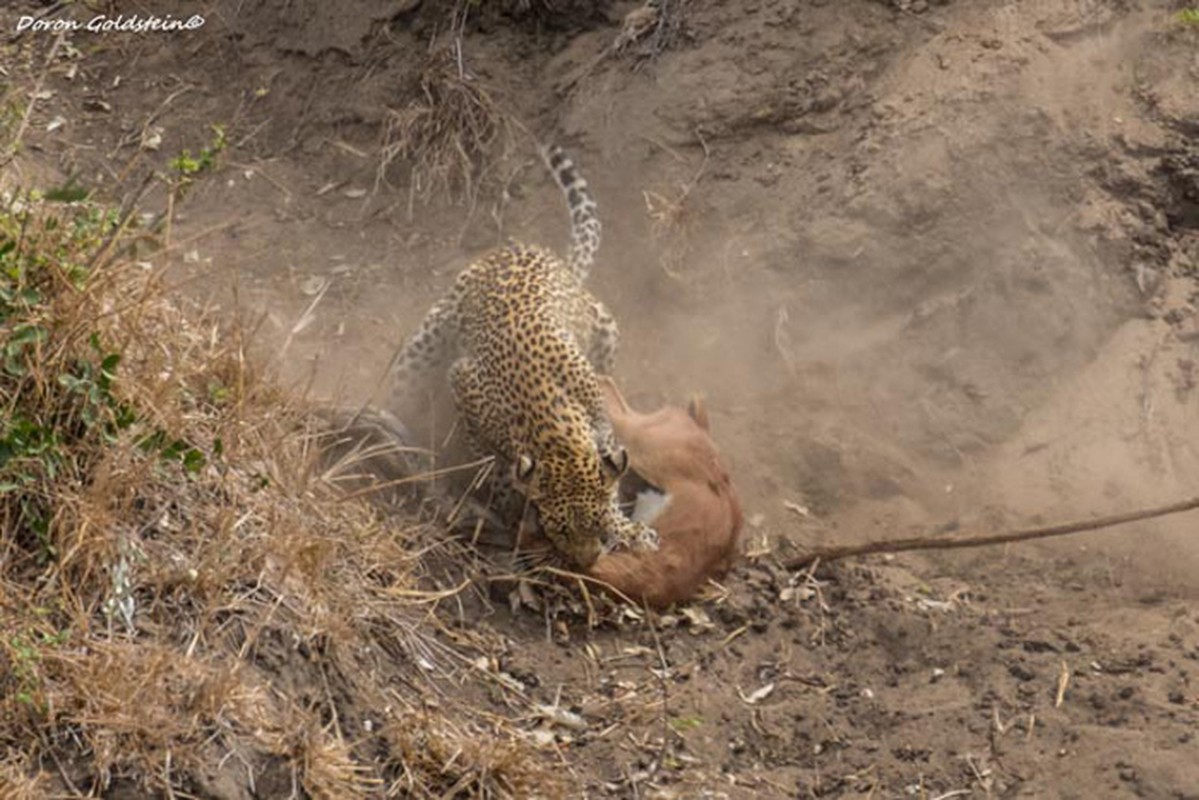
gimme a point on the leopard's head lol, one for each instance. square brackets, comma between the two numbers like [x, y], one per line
[573, 493]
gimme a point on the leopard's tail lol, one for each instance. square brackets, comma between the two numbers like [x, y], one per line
[584, 219]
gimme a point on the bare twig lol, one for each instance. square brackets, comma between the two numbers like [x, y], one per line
[958, 542]
[14, 145]
[128, 207]
[140, 135]
[49, 11]
[423, 477]
[664, 687]
[1063, 683]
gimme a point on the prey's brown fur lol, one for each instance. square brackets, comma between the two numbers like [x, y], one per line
[700, 528]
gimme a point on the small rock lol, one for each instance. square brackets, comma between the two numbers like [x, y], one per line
[1021, 672]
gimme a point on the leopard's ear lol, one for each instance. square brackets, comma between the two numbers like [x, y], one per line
[616, 464]
[698, 411]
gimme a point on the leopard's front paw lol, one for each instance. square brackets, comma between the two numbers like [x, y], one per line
[647, 537]
[638, 537]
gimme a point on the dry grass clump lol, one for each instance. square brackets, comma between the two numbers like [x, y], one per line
[186, 604]
[447, 135]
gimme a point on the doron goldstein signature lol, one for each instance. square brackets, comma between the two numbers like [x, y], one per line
[102, 23]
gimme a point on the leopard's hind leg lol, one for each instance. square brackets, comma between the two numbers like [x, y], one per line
[427, 349]
[603, 340]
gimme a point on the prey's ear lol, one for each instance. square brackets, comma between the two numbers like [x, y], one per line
[612, 396]
[698, 411]
[616, 464]
[524, 469]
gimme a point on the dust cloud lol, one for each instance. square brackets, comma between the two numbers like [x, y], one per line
[943, 315]
[927, 272]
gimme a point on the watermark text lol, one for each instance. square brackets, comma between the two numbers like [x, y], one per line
[102, 23]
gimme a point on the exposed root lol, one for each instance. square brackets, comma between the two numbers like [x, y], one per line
[646, 33]
[666, 30]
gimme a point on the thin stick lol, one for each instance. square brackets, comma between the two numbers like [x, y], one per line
[128, 207]
[663, 674]
[1063, 682]
[424, 476]
[15, 145]
[956, 542]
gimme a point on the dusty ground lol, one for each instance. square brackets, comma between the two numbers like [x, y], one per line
[932, 263]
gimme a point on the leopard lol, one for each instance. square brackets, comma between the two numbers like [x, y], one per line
[525, 342]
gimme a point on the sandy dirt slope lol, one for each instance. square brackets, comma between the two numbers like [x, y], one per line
[933, 264]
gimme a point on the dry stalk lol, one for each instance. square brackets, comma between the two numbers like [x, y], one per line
[956, 542]
[13, 145]
[1063, 683]
[672, 220]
